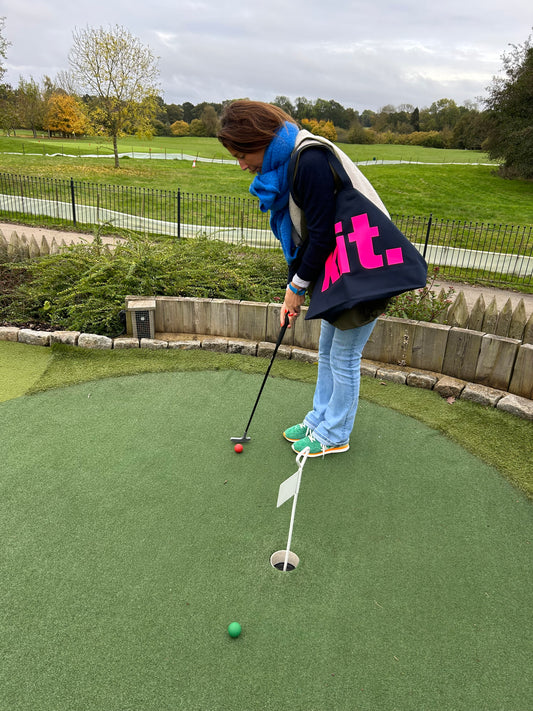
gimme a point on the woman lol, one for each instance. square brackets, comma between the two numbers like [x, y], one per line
[262, 138]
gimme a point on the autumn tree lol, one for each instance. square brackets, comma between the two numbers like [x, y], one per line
[510, 113]
[64, 115]
[326, 129]
[179, 128]
[121, 75]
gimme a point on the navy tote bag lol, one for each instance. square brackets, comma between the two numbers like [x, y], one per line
[371, 260]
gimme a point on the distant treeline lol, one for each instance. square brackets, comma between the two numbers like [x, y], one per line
[442, 125]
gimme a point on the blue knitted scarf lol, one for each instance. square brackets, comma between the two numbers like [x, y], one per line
[272, 186]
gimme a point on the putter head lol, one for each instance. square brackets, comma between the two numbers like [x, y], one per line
[242, 439]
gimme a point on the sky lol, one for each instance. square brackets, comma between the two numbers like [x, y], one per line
[365, 55]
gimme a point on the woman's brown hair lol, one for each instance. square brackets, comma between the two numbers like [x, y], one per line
[250, 126]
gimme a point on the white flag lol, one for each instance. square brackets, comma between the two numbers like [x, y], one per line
[288, 488]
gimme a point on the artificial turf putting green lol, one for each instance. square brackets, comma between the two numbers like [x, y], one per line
[132, 535]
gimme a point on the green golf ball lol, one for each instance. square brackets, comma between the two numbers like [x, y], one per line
[234, 629]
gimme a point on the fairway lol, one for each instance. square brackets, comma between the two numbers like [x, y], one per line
[133, 535]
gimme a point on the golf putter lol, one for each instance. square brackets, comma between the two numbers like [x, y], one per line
[245, 437]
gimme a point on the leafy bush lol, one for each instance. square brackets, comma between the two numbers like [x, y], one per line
[84, 287]
[422, 304]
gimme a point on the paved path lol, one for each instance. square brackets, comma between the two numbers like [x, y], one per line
[471, 292]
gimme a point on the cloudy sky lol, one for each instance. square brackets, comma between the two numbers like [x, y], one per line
[362, 54]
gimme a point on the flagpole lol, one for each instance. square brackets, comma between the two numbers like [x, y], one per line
[294, 501]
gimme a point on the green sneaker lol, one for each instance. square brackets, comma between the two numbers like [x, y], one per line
[317, 449]
[293, 434]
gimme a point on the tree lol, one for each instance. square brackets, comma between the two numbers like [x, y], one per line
[303, 108]
[470, 131]
[415, 119]
[122, 74]
[174, 113]
[8, 109]
[4, 44]
[30, 105]
[49, 88]
[326, 129]
[442, 114]
[367, 118]
[358, 134]
[284, 103]
[64, 115]
[510, 113]
[179, 128]
[188, 112]
[210, 120]
[197, 128]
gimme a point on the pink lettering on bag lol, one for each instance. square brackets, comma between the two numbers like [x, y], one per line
[337, 263]
[342, 256]
[362, 235]
[394, 256]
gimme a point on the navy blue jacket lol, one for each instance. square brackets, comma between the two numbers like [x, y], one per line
[314, 193]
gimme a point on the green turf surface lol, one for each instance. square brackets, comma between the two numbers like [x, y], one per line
[498, 438]
[133, 534]
[20, 367]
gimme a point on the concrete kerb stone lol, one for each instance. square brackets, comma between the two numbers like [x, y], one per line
[125, 342]
[34, 338]
[69, 338]
[9, 333]
[481, 394]
[92, 340]
[515, 405]
[445, 385]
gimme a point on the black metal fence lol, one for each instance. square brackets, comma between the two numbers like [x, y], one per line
[492, 253]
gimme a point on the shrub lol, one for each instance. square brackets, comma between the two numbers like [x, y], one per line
[84, 287]
[422, 304]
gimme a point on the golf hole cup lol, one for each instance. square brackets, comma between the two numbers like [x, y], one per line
[277, 560]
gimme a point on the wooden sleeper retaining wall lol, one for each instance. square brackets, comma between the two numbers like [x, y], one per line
[473, 356]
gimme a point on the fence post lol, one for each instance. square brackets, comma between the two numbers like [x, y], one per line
[427, 234]
[179, 213]
[73, 201]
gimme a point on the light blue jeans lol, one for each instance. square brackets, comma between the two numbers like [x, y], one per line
[337, 387]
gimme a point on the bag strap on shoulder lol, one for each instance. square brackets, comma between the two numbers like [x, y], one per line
[339, 174]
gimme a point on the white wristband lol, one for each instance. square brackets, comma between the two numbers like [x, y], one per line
[300, 282]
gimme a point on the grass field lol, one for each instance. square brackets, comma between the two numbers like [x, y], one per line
[212, 148]
[448, 191]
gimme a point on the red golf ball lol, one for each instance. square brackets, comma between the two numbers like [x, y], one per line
[238, 448]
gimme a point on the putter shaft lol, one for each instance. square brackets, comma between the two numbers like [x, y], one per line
[245, 437]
